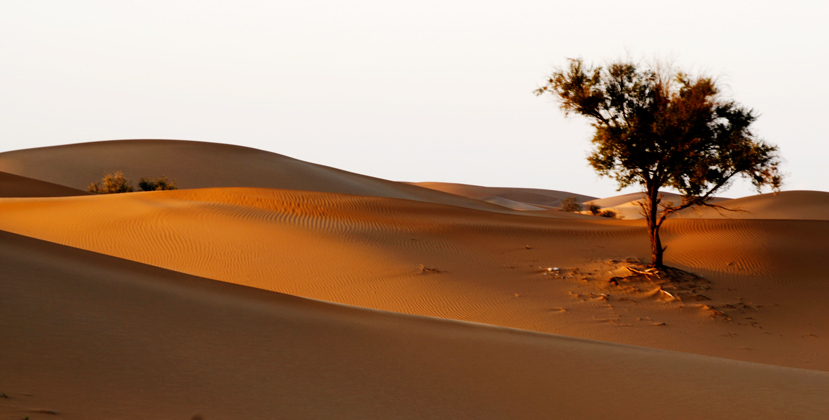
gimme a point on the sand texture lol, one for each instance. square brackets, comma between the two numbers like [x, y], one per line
[266, 302]
[92, 336]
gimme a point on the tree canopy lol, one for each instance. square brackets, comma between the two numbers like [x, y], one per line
[658, 127]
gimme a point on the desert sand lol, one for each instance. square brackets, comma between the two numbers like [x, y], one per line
[273, 288]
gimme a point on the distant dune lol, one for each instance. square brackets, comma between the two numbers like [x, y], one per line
[273, 288]
[207, 165]
[529, 196]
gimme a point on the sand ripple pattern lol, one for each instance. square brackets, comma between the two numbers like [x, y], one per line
[460, 263]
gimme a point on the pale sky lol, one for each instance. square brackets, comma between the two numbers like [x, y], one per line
[402, 90]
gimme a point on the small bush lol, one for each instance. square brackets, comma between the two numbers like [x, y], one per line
[113, 183]
[608, 213]
[157, 184]
[595, 209]
[570, 204]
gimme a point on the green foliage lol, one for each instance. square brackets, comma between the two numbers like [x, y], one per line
[157, 184]
[658, 127]
[570, 205]
[112, 183]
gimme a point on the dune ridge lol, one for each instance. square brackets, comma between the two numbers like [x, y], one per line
[95, 336]
[195, 164]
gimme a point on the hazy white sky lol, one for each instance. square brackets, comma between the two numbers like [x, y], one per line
[403, 90]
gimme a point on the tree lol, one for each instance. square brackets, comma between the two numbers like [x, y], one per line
[657, 127]
[112, 183]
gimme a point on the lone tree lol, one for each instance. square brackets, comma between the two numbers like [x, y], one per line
[657, 127]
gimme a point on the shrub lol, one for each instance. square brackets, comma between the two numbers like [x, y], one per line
[570, 204]
[608, 213]
[157, 184]
[113, 183]
[595, 209]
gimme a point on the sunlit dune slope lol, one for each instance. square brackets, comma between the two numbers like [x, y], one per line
[626, 206]
[762, 299]
[530, 196]
[91, 336]
[17, 186]
[790, 205]
[204, 165]
[793, 205]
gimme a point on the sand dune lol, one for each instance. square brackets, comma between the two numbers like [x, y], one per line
[17, 186]
[204, 165]
[763, 298]
[91, 336]
[529, 196]
[109, 308]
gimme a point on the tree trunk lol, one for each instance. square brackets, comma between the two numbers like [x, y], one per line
[652, 213]
[656, 248]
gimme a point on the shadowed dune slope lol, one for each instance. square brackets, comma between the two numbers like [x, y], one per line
[91, 336]
[17, 186]
[204, 165]
[515, 205]
[531, 196]
[763, 298]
